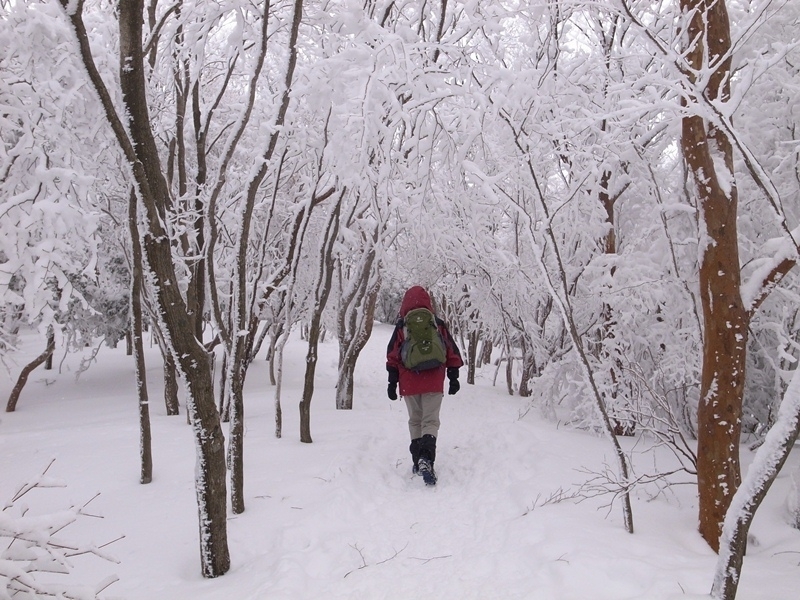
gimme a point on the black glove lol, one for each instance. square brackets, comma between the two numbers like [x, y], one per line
[394, 377]
[452, 375]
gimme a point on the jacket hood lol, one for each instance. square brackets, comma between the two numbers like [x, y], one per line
[415, 297]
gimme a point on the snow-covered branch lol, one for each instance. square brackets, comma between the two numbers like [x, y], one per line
[32, 547]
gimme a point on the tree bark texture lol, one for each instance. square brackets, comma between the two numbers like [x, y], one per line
[709, 158]
[48, 362]
[145, 443]
[171, 401]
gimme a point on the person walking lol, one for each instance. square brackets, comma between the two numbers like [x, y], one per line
[420, 354]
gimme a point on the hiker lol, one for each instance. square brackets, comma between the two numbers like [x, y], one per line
[420, 353]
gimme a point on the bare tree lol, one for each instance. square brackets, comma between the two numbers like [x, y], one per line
[153, 196]
[239, 344]
[708, 153]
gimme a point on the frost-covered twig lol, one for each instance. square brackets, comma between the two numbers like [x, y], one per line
[659, 420]
[30, 547]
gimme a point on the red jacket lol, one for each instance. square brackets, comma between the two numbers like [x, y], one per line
[419, 382]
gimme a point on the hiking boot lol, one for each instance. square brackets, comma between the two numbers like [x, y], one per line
[415, 448]
[427, 472]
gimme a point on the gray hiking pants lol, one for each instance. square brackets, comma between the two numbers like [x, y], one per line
[423, 414]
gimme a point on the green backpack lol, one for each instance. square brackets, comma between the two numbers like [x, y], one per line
[423, 346]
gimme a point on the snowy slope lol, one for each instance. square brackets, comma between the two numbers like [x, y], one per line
[343, 518]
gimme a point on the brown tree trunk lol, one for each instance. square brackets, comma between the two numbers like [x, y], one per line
[27, 370]
[145, 444]
[725, 321]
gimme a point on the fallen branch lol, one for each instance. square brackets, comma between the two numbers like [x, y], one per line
[364, 564]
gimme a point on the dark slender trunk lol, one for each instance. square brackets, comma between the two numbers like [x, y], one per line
[473, 339]
[27, 370]
[171, 399]
[308, 382]
[324, 282]
[486, 352]
[236, 439]
[528, 367]
[224, 405]
[51, 339]
[145, 444]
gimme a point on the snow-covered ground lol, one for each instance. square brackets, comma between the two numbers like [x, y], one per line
[343, 518]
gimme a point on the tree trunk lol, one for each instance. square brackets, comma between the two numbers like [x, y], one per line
[323, 290]
[308, 382]
[145, 445]
[528, 368]
[510, 371]
[236, 377]
[224, 401]
[486, 352]
[473, 339]
[51, 339]
[707, 151]
[27, 370]
[141, 152]
[273, 342]
[279, 385]
[171, 399]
